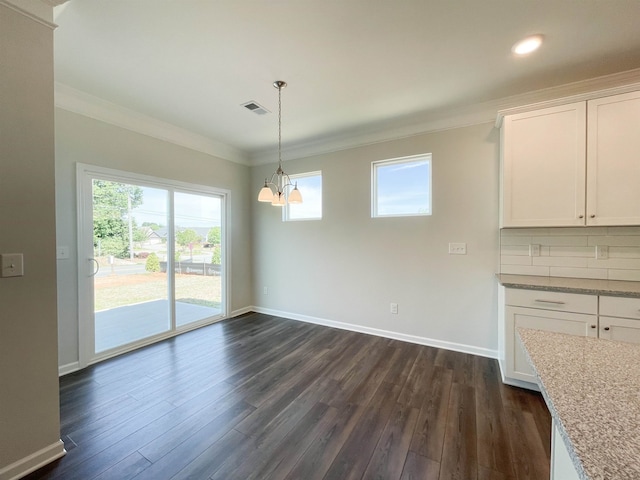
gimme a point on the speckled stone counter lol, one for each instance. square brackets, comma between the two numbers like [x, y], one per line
[592, 389]
[614, 288]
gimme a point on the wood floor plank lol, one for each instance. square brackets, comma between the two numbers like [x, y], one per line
[125, 469]
[428, 437]
[391, 451]
[417, 467]
[266, 398]
[488, 474]
[317, 459]
[194, 445]
[278, 458]
[352, 460]
[459, 456]
[209, 461]
[494, 450]
[529, 458]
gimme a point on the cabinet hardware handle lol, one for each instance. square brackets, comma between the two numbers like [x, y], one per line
[555, 302]
[580, 216]
[592, 215]
[593, 326]
[606, 328]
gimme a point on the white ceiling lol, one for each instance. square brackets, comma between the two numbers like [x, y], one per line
[353, 66]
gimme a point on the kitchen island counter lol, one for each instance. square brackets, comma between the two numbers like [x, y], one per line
[592, 389]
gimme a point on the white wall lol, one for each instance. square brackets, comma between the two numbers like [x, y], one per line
[29, 410]
[84, 140]
[348, 267]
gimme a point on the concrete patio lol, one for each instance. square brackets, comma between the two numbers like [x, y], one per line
[122, 325]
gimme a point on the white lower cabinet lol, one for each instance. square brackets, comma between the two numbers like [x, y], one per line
[562, 467]
[568, 313]
[611, 318]
[620, 319]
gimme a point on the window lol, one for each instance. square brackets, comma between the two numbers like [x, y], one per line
[310, 186]
[401, 186]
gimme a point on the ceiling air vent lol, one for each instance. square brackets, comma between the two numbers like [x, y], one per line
[255, 108]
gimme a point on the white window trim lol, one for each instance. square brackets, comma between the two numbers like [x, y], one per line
[285, 210]
[398, 160]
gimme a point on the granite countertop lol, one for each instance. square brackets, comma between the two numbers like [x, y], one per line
[592, 389]
[614, 288]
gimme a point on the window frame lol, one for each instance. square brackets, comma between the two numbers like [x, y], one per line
[428, 157]
[286, 216]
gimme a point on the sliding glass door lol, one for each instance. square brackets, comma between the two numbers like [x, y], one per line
[151, 259]
[198, 258]
[131, 293]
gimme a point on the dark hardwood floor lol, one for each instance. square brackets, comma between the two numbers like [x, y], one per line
[259, 397]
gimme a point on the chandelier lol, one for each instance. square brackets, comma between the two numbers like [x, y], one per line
[276, 190]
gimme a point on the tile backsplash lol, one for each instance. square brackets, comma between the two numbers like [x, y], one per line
[571, 252]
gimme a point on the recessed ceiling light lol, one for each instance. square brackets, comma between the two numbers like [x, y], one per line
[528, 45]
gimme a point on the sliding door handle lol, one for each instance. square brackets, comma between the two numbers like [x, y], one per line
[97, 267]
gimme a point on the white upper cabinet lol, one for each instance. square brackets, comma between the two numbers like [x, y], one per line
[543, 161]
[613, 160]
[572, 165]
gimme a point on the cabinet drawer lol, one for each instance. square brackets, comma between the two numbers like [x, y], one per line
[620, 307]
[559, 301]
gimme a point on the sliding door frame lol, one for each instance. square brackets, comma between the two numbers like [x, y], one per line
[85, 174]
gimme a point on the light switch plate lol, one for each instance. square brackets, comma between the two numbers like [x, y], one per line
[457, 249]
[62, 253]
[11, 265]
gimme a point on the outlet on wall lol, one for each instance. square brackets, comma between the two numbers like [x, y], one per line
[265, 290]
[534, 250]
[602, 252]
[393, 307]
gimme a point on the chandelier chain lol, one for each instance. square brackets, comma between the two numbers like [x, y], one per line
[280, 126]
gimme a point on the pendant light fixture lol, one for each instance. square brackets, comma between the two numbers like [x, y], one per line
[275, 191]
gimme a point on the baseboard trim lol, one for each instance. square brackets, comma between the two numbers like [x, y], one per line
[32, 462]
[68, 368]
[430, 342]
[241, 311]
[515, 382]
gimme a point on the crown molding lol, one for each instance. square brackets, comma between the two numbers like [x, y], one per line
[606, 88]
[463, 116]
[80, 102]
[77, 101]
[37, 10]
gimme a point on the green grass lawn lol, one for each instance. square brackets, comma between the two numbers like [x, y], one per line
[119, 290]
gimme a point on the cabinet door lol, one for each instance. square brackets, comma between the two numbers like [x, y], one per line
[620, 329]
[562, 467]
[517, 366]
[543, 167]
[613, 160]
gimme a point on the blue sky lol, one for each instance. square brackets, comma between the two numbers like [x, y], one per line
[311, 191]
[190, 210]
[403, 188]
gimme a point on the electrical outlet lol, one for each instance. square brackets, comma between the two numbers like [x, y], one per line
[534, 250]
[393, 307]
[602, 252]
[457, 249]
[265, 290]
